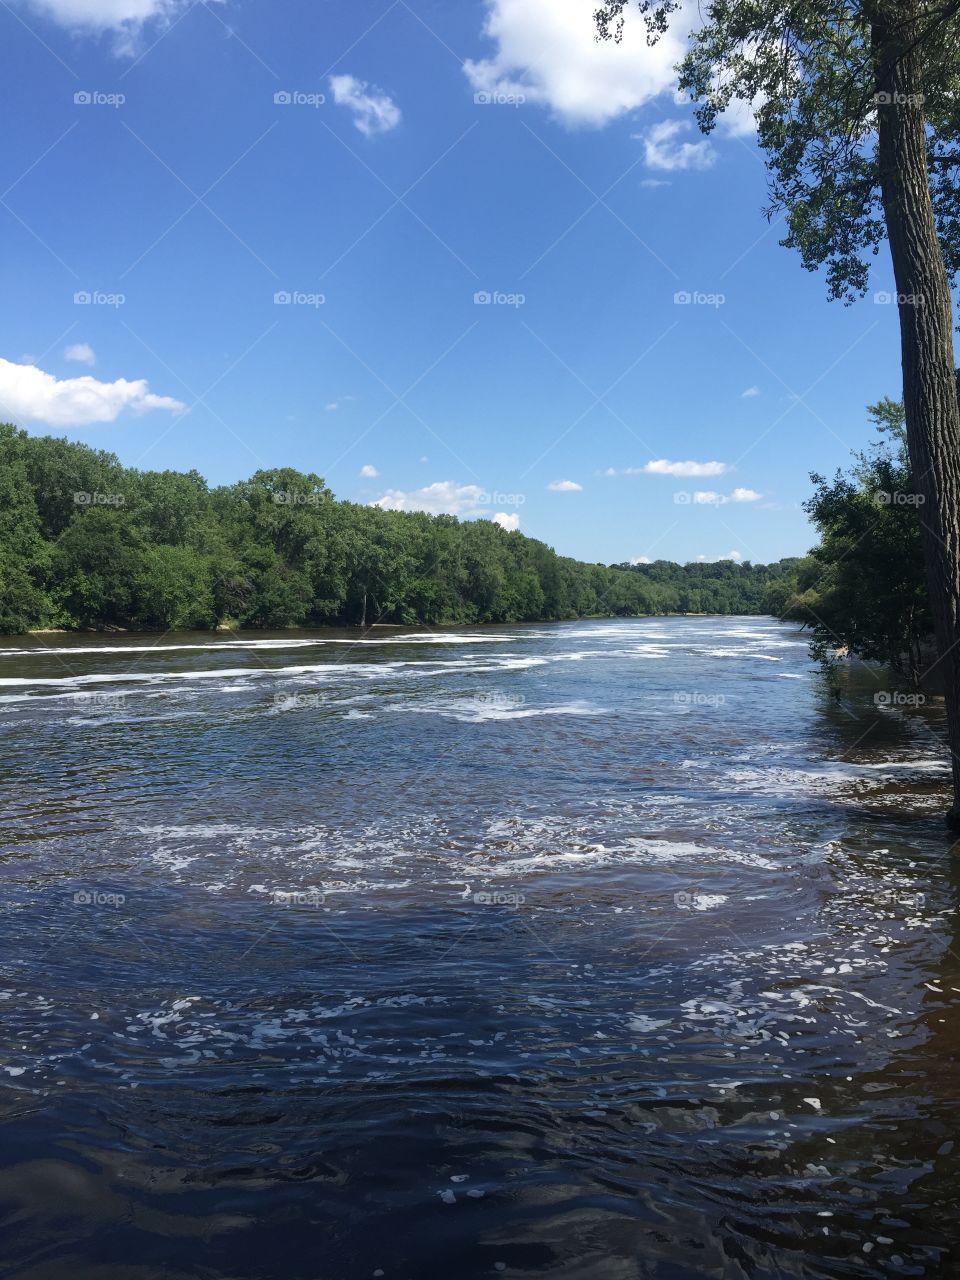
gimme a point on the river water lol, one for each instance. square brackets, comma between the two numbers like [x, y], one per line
[602, 949]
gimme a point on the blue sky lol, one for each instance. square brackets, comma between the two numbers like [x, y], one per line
[382, 164]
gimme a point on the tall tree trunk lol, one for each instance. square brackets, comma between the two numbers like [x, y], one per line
[926, 339]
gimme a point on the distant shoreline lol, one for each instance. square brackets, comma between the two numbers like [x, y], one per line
[223, 630]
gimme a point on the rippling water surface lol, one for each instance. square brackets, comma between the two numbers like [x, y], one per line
[603, 949]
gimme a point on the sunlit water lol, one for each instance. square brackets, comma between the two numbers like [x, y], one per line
[602, 949]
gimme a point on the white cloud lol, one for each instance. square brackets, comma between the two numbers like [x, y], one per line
[710, 498]
[546, 52]
[751, 393]
[740, 120]
[468, 501]
[653, 183]
[124, 18]
[368, 472]
[731, 555]
[442, 497]
[81, 353]
[373, 111]
[565, 486]
[334, 405]
[664, 467]
[663, 150]
[508, 522]
[29, 395]
[641, 560]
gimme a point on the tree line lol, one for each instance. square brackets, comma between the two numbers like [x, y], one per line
[862, 590]
[88, 543]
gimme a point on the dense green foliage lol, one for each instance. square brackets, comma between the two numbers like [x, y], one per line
[86, 542]
[862, 588]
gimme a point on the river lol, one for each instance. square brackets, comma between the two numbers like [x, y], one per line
[614, 949]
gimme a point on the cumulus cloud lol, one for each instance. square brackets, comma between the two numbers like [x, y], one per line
[545, 51]
[505, 521]
[664, 467]
[641, 560]
[662, 148]
[441, 498]
[369, 472]
[30, 395]
[373, 111]
[125, 19]
[446, 498]
[731, 555]
[751, 393]
[710, 498]
[565, 486]
[81, 353]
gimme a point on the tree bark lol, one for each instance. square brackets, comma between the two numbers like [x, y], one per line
[926, 338]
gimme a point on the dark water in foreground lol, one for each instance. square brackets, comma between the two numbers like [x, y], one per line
[609, 949]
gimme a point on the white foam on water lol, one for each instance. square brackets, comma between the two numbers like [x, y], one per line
[635, 850]
[736, 653]
[478, 710]
[707, 901]
[826, 779]
[325, 670]
[643, 1023]
[140, 650]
